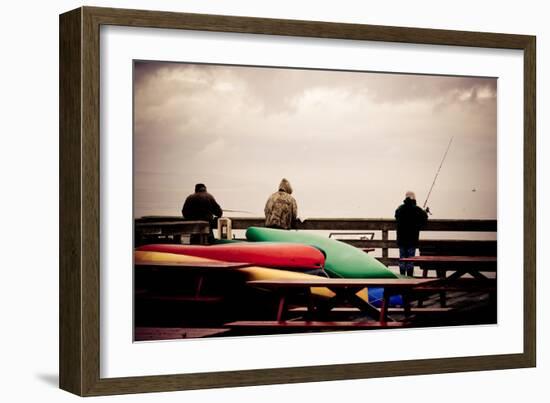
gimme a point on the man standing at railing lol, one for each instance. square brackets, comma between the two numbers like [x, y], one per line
[201, 206]
[410, 220]
[281, 209]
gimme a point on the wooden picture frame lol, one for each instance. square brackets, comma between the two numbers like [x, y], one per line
[80, 199]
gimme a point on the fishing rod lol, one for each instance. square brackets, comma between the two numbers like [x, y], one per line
[436, 174]
[237, 211]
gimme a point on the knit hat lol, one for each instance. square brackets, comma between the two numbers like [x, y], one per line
[410, 195]
[200, 187]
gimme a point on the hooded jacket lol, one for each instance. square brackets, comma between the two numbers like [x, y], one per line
[281, 209]
[410, 220]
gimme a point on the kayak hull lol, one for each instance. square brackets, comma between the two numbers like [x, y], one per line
[342, 260]
[275, 255]
[251, 273]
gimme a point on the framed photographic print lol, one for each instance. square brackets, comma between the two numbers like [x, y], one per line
[250, 201]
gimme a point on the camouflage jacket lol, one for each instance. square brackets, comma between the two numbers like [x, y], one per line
[280, 210]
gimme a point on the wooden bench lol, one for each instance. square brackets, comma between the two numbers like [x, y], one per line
[473, 265]
[459, 264]
[345, 291]
[321, 325]
[174, 333]
[201, 269]
[180, 298]
[472, 248]
[413, 310]
[469, 285]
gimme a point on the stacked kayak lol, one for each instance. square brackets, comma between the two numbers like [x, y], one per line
[251, 273]
[267, 254]
[342, 260]
[273, 253]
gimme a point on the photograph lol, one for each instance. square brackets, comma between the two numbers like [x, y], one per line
[252, 201]
[273, 200]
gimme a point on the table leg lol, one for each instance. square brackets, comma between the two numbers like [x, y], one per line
[281, 308]
[406, 304]
[384, 307]
[350, 295]
[310, 304]
[425, 271]
[442, 294]
[443, 299]
[198, 289]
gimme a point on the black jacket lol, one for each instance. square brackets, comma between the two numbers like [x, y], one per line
[201, 206]
[410, 219]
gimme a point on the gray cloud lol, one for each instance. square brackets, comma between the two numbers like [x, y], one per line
[355, 140]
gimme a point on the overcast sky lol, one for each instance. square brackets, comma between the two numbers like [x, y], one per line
[350, 143]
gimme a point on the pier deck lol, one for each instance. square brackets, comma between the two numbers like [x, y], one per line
[229, 306]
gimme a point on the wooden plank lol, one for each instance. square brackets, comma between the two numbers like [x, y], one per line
[180, 298]
[456, 287]
[192, 265]
[295, 324]
[388, 224]
[173, 227]
[388, 261]
[158, 218]
[344, 283]
[173, 224]
[204, 266]
[175, 333]
[349, 224]
[385, 239]
[435, 244]
[450, 259]
[415, 310]
[472, 248]
[461, 284]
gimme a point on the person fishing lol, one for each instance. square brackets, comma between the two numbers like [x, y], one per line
[201, 206]
[410, 220]
[281, 209]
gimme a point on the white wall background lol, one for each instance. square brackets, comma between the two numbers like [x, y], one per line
[29, 201]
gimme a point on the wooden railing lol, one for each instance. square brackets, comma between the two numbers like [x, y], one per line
[382, 225]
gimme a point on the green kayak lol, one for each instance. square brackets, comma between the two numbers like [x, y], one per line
[342, 260]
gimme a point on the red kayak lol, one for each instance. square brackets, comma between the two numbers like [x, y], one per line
[267, 254]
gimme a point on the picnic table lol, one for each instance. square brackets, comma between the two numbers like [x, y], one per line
[202, 269]
[460, 265]
[345, 291]
[473, 265]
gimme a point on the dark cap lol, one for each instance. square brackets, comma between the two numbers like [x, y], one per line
[200, 187]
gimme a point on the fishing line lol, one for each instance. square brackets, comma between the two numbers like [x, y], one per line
[437, 173]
